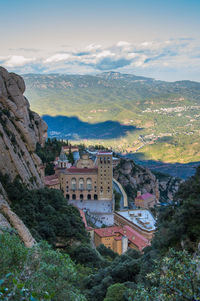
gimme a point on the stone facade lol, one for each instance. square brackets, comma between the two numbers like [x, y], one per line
[88, 180]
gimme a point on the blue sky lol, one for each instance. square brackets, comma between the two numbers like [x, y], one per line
[154, 38]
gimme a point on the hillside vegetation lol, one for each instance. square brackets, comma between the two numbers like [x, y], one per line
[130, 113]
[161, 273]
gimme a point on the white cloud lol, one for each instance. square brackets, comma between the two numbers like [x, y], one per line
[13, 61]
[57, 58]
[93, 47]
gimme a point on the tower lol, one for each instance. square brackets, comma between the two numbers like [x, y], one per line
[105, 175]
[62, 161]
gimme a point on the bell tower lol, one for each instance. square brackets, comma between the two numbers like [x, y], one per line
[105, 175]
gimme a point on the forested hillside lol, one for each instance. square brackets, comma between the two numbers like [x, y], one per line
[166, 271]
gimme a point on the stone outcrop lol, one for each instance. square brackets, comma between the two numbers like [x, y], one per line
[20, 131]
[136, 178]
[8, 218]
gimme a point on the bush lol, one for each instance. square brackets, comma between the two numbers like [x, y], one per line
[39, 273]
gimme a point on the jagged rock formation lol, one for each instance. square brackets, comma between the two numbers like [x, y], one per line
[168, 186]
[138, 178]
[8, 218]
[20, 130]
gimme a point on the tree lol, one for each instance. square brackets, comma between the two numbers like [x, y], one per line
[46, 213]
[35, 274]
[115, 292]
[175, 278]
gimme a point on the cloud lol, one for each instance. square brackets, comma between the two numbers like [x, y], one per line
[13, 61]
[57, 58]
[123, 56]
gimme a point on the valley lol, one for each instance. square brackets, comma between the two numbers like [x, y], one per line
[156, 120]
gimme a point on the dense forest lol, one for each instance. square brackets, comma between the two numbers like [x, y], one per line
[167, 270]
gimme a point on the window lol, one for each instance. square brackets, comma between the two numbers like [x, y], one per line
[67, 196]
[108, 160]
[89, 184]
[81, 184]
[73, 184]
[104, 160]
[73, 197]
[101, 160]
[89, 196]
[81, 196]
[95, 197]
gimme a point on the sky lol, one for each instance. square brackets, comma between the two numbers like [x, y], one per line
[154, 38]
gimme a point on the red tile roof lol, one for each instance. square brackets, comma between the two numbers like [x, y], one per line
[136, 238]
[133, 236]
[145, 196]
[108, 231]
[51, 180]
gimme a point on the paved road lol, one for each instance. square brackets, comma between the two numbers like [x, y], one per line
[124, 200]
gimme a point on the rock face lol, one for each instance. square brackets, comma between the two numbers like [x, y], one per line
[20, 130]
[135, 178]
[8, 218]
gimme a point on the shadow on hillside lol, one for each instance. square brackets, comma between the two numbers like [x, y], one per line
[74, 129]
[179, 170]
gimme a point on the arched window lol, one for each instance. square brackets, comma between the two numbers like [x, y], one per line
[73, 197]
[108, 160]
[89, 184]
[67, 196]
[95, 197]
[81, 196]
[81, 184]
[73, 183]
[89, 196]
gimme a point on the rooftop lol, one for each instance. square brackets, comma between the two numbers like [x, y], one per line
[141, 218]
[133, 236]
[108, 231]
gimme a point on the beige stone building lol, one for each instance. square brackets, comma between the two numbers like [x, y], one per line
[119, 239]
[88, 180]
[87, 185]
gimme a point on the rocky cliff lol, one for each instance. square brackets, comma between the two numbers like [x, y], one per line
[135, 178]
[20, 130]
